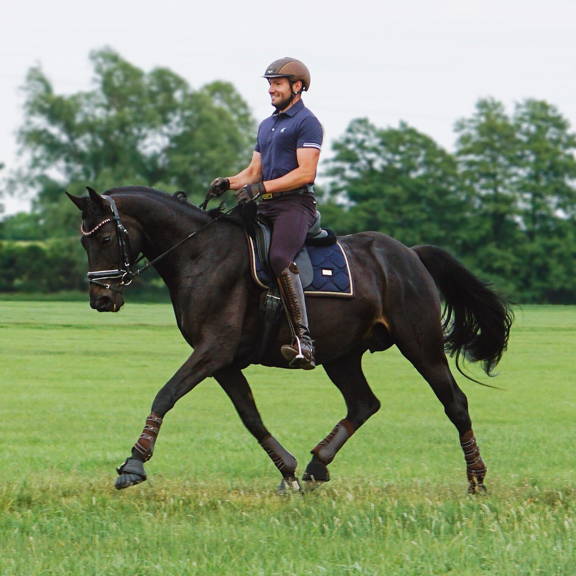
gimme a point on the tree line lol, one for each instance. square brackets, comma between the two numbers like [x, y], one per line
[503, 201]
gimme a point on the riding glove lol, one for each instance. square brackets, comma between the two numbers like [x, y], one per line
[218, 186]
[250, 192]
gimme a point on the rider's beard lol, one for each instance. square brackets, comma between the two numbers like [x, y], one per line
[283, 104]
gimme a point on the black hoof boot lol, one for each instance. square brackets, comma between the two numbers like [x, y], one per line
[130, 473]
[316, 472]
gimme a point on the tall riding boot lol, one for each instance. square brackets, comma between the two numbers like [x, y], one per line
[300, 354]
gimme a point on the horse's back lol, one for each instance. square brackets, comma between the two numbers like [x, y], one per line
[390, 283]
[377, 259]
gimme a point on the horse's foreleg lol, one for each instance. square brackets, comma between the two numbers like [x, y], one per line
[236, 386]
[193, 371]
[347, 375]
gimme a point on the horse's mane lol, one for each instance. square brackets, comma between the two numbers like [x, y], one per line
[241, 215]
[177, 201]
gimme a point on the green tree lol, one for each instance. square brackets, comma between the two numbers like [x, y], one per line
[487, 153]
[132, 128]
[398, 181]
[21, 226]
[547, 200]
[1, 190]
[547, 166]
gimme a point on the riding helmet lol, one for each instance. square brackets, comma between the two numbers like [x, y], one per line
[289, 68]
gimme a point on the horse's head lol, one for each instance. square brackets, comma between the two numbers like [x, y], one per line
[110, 249]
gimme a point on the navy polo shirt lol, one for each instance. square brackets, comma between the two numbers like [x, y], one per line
[280, 135]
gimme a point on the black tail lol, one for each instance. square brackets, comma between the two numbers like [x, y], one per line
[476, 320]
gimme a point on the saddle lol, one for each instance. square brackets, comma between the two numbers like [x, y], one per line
[322, 264]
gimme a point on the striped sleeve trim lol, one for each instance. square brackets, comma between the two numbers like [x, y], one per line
[311, 145]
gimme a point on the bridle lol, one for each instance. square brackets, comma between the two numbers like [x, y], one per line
[128, 271]
[125, 271]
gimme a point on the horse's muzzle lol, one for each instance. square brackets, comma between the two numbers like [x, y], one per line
[107, 302]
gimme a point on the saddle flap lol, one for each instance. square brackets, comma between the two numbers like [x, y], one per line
[324, 270]
[305, 269]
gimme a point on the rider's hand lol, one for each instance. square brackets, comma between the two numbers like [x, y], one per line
[218, 186]
[250, 192]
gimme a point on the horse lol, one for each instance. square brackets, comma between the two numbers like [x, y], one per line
[420, 299]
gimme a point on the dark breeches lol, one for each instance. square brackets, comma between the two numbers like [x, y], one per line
[291, 217]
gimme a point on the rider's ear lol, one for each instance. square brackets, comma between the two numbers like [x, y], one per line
[79, 201]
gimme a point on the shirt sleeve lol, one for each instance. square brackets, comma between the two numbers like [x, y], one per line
[311, 133]
[257, 145]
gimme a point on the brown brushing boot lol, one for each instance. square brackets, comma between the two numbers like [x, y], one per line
[300, 354]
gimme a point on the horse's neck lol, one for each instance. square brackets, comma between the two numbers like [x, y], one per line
[162, 224]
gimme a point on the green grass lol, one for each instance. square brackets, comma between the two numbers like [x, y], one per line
[75, 387]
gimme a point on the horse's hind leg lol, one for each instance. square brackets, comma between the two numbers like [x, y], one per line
[236, 386]
[425, 350]
[347, 375]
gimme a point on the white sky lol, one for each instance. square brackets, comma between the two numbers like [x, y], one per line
[423, 61]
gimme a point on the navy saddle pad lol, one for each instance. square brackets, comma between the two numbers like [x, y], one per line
[324, 270]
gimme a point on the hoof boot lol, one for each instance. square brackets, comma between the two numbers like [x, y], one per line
[130, 473]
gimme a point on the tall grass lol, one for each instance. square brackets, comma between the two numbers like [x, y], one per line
[75, 387]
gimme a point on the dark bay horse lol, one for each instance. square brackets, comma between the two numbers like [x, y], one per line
[203, 259]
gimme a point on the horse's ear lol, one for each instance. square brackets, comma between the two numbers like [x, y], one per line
[95, 197]
[80, 201]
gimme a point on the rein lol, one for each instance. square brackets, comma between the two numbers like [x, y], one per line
[127, 271]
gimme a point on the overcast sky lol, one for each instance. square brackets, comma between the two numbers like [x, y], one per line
[426, 62]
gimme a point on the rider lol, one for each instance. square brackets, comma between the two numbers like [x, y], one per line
[281, 174]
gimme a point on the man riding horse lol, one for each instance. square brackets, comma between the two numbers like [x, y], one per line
[281, 174]
[204, 261]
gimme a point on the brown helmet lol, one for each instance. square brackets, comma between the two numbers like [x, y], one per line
[289, 68]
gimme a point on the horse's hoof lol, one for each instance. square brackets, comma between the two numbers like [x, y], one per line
[127, 480]
[289, 485]
[130, 473]
[316, 473]
[311, 485]
[477, 489]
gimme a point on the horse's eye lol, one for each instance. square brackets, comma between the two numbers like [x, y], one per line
[106, 239]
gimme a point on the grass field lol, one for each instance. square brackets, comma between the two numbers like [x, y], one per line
[75, 387]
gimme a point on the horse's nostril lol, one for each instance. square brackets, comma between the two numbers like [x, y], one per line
[103, 304]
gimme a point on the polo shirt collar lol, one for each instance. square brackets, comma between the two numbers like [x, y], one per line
[292, 111]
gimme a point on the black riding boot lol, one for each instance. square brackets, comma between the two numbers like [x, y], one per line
[300, 354]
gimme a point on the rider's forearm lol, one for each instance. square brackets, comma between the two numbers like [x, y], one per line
[249, 175]
[295, 179]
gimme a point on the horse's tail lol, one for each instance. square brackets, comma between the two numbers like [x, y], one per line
[476, 320]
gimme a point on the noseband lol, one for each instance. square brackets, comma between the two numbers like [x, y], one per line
[125, 271]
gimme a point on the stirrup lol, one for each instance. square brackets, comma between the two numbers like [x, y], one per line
[295, 357]
[298, 356]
